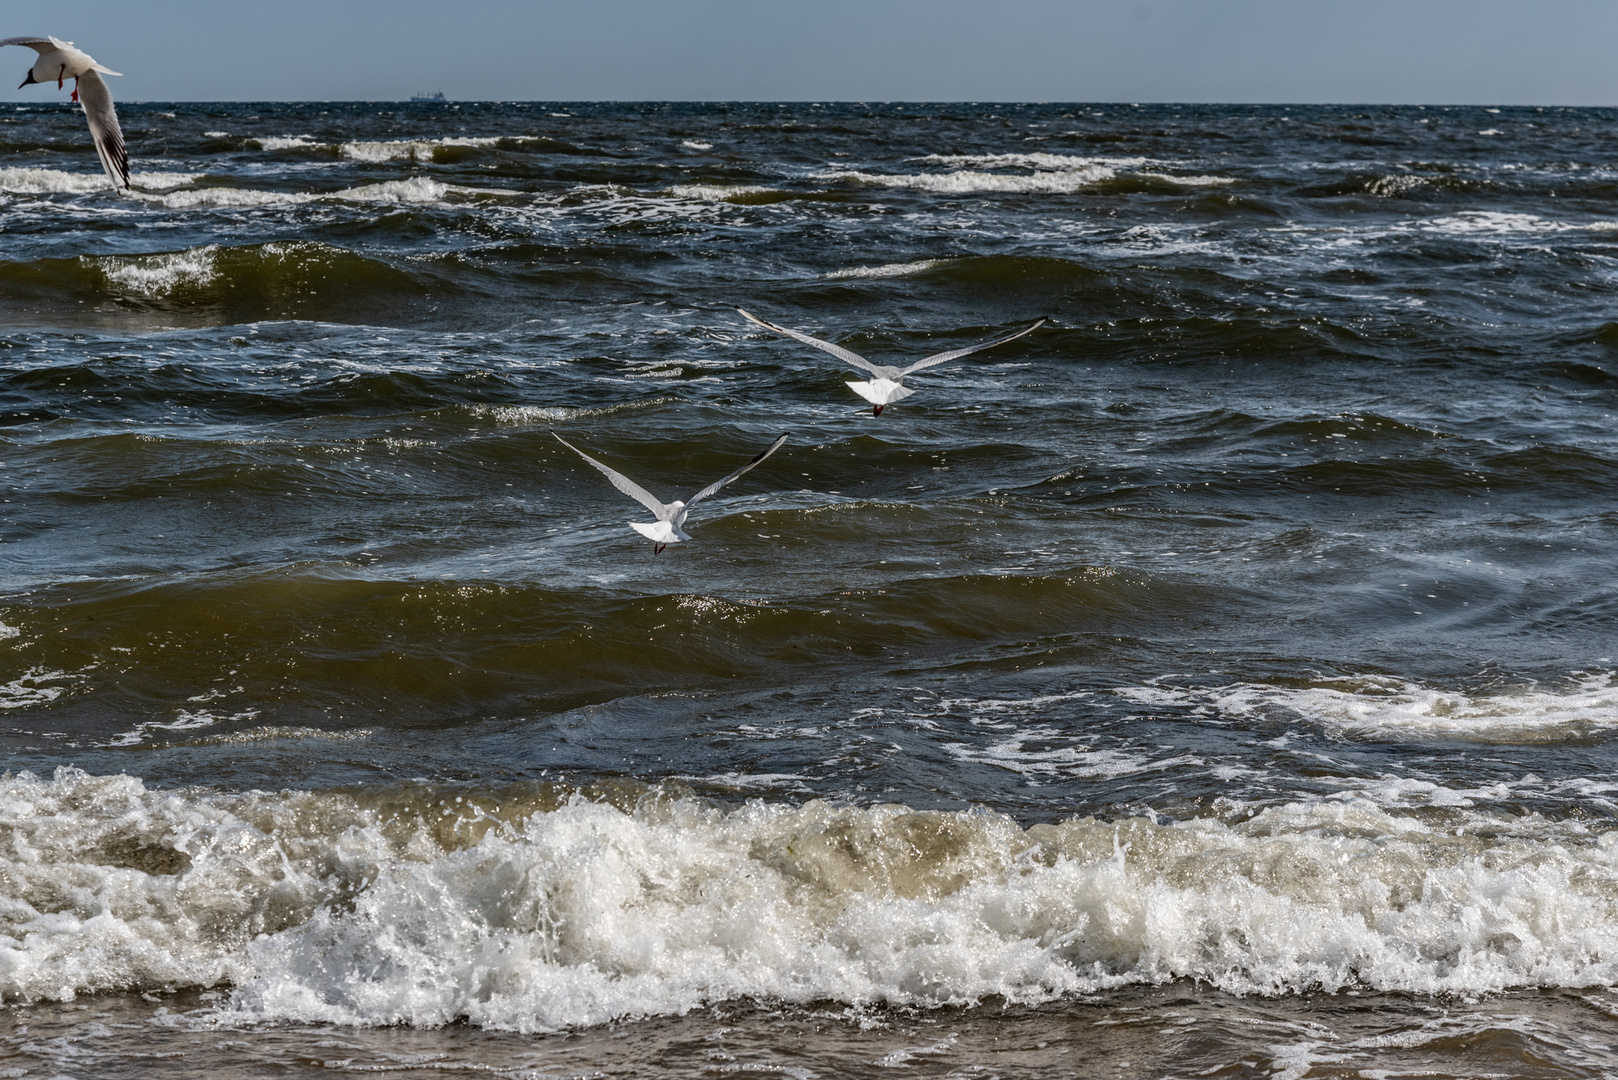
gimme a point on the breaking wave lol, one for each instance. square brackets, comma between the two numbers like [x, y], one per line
[537, 908]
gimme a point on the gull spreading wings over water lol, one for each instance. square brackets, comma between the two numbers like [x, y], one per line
[60, 60]
[666, 529]
[887, 387]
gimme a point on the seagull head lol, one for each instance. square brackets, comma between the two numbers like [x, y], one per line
[28, 80]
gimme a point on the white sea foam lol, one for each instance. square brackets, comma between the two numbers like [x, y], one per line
[694, 144]
[1050, 174]
[185, 720]
[887, 269]
[542, 914]
[1048, 162]
[160, 274]
[720, 192]
[288, 142]
[25, 181]
[967, 181]
[416, 189]
[1382, 708]
[1190, 181]
[32, 688]
[409, 149]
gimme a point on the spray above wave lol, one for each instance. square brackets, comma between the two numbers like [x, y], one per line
[535, 909]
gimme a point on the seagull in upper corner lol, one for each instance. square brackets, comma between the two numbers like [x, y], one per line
[666, 529]
[60, 60]
[886, 388]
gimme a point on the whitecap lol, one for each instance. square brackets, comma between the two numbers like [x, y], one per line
[966, 182]
[1049, 162]
[887, 269]
[288, 142]
[530, 911]
[409, 149]
[160, 274]
[29, 181]
[719, 192]
[1384, 708]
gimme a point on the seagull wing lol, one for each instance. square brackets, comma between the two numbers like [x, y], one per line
[621, 482]
[104, 129]
[836, 350]
[41, 45]
[717, 484]
[955, 354]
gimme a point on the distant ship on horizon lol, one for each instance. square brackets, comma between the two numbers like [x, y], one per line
[423, 95]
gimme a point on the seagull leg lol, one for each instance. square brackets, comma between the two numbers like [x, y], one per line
[657, 549]
[60, 72]
[75, 96]
[876, 410]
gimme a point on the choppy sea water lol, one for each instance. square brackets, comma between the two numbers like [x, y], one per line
[1221, 680]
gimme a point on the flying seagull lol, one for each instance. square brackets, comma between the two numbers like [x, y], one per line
[60, 60]
[887, 387]
[666, 529]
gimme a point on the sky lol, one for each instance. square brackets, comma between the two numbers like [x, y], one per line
[1489, 52]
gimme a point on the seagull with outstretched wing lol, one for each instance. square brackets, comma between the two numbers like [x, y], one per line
[888, 385]
[666, 529]
[59, 60]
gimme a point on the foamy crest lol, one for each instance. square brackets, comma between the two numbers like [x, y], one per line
[1048, 162]
[161, 274]
[417, 189]
[968, 181]
[288, 142]
[409, 149]
[1384, 708]
[21, 181]
[1501, 223]
[887, 269]
[720, 192]
[534, 912]
[523, 414]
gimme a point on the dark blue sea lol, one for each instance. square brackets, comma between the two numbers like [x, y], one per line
[1220, 680]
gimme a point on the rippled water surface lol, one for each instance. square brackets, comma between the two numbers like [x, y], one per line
[1220, 680]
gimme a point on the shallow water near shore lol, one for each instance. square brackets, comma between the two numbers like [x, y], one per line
[1219, 680]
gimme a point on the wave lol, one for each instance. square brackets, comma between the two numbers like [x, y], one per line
[1041, 161]
[25, 181]
[560, 646]
[1051, 174]
[968, 182]
[415, 190]
[741, 194]
[175, 190]
[216, 283]
[537, 908]
[442, 150]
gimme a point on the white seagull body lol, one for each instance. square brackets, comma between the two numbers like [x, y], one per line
[667, 528]
[888, 385]
[59, 60]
